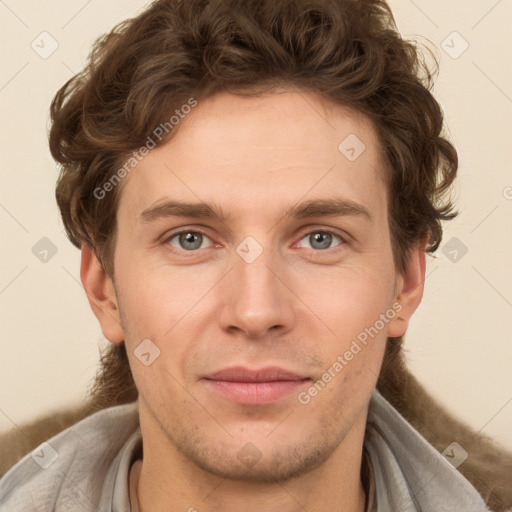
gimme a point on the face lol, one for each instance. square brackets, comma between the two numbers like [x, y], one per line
[255, 284]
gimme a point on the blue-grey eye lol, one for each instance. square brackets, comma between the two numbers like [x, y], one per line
[188, 240]
[320, 240]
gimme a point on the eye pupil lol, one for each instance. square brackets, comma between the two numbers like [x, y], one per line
[324, 240]
[189, 241]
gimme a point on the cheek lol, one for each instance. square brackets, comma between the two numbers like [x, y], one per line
[151, 310]
[347, 300]
[168, 306]
[154, 297]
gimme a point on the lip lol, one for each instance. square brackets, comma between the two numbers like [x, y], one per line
[254, 387]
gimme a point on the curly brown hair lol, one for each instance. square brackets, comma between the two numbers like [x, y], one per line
[346, 51]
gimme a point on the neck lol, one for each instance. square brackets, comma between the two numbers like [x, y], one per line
[171, 482]
[282, 497]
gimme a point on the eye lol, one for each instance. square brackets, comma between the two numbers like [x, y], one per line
[192, 240]
[188, 240]
[321, 240]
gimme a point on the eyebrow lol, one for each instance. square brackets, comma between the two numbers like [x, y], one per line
[304, 210]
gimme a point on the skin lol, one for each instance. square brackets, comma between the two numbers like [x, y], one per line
[298, 305]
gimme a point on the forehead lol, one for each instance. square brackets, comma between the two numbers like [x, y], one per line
[260, 152]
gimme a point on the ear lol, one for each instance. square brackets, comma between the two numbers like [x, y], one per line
[409, 289]
[101, 295]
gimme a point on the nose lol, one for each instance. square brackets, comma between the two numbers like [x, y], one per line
[256, 300]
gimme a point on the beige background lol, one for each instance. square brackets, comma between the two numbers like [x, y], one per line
[459, 343]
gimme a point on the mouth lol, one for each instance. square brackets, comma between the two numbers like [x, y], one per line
[255, 387]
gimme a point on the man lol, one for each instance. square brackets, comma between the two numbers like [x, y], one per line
[254, 187]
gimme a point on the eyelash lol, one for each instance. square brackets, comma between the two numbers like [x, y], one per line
[168, 238]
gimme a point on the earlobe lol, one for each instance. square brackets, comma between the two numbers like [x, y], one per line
[101, 295]
[409, 290]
